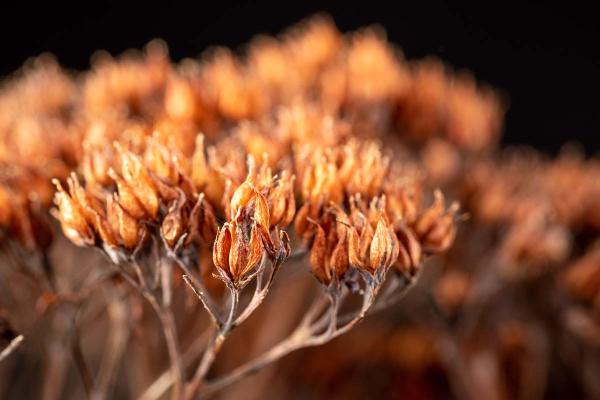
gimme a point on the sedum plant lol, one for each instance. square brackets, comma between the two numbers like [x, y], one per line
[206, 183]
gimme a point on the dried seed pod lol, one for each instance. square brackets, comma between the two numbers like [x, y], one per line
[175, 223]
[139, 180]
[222, 248]
[383, 250]
[203, 224]
[72, 218]
[128, 228]
[372, 250]
[409, 250]
[127, 198]
[200, 168]
[282, 202]
[436, 227]
[237, 251]
[5, 207]
[339, 261]
[95, 164]
[318, 257]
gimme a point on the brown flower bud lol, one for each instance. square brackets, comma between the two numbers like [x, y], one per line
[318, 257]
[127, 198]
[95, 165]
[200, 168]
[72, 218]
[282, 202]
[175, 222]
[5, 207]
[370, 249]
[237, 251]
[203, 224]
[128, 228]
[159, 160]
[140, 182]
[339, 261]
[241, 197]
[409, 250]
[383, 250]
[222, 248]
[93, 210]
[245, 253]
[436, 227]
[249, 207]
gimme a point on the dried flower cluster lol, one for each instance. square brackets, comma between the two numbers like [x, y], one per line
[204, 181]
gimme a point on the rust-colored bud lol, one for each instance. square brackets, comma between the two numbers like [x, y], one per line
[436, 227]
[245, 253]
[282, 202]
[241, 197]
[127, 227]
[409, 250]
[175, 222]
[5, 207]
[318, 257]
[203, 223]
[222, 248]
[140, 181]
[339, 261]
[383, 250]
[95, 165]
[370, 249]
[159, 160]
[72, 218]
[200, 168]
[127, 198]
[93, 210]
[237, 251]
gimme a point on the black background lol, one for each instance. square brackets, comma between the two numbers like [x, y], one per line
[545, 58]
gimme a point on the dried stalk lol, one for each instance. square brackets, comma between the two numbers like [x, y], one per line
[306, 334]
[214, 346]
[12, 346]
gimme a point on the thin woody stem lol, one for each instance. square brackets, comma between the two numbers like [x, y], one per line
[260, 292]
[167, 322]
[203, 299]
[165, 380]
[199, 290]
[302, 337]
[213, 347]
[12, 346]
[165, 315]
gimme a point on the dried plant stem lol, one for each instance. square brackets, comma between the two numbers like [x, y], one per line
[165, 380]
[115, 348]
[199, 290]
[82, 367]
[12, 346]
[305, 335]
[165, 315]
[214, 346]
[167, 321]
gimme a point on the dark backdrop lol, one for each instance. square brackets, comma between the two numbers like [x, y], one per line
[545, 58]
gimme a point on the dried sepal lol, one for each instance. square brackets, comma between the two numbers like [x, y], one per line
[72, 218]
[139, 180]
[222, 249]
[436, 226]
[175, 223]
[318, 257]
[409, 250]
[203, 223]
[127, 198]
[128, 228]
[281, 201]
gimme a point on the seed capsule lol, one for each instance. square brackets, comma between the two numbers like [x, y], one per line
[72, 218]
